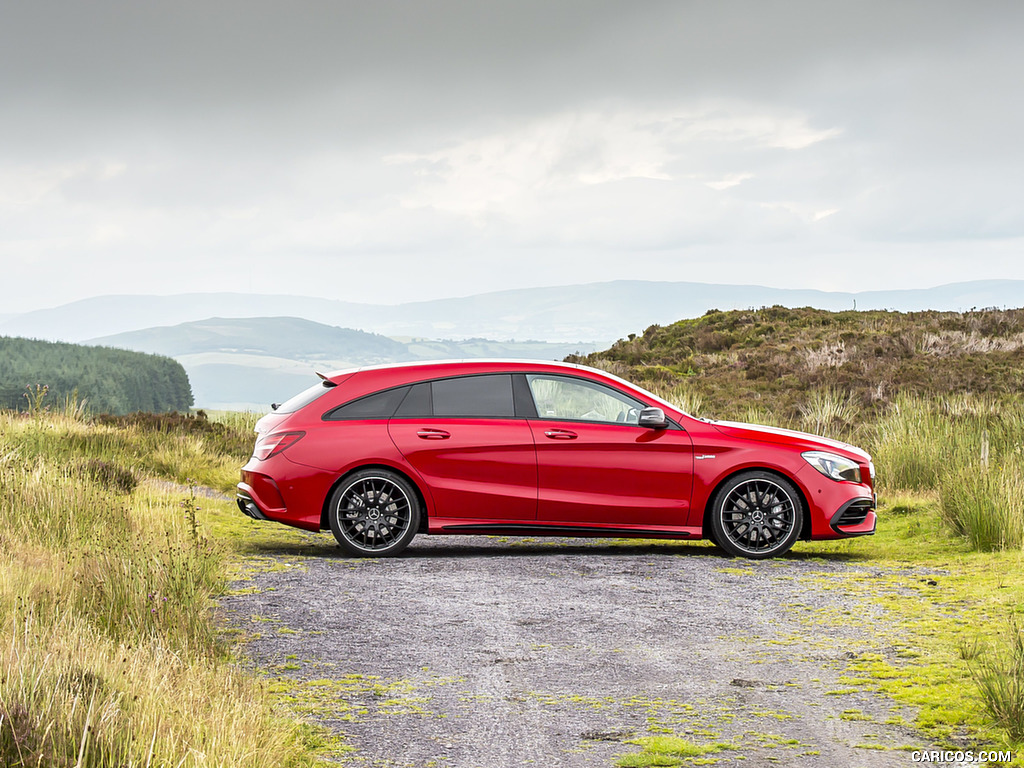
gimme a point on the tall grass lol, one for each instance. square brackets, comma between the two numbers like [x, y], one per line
[914, 444]
[243, 422]
[999, 676]
[985, 503]
[683, 398]
[827, 411]
[967, 448]
[108, 656]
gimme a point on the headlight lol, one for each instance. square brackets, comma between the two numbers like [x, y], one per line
[833, 466]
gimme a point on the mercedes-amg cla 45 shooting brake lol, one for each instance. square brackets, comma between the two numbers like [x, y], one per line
[380, 454]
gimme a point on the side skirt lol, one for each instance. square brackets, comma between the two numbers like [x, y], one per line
[534, 529]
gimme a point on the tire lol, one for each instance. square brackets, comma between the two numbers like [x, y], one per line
[757, 515]
[374, 513]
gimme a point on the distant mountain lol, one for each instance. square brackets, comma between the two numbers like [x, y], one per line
[565, 313]
[286, 337]
[246, 363]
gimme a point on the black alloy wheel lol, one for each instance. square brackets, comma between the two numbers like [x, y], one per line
[374, 513]
[757, 515]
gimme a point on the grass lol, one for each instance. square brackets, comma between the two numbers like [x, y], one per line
[1000, 679]
[985, 503]
[108, 653]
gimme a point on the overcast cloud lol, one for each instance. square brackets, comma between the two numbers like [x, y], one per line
[393, 151]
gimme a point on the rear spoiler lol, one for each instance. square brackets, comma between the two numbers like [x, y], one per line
[327, 382]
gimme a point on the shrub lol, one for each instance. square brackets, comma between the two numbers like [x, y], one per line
[110, 475]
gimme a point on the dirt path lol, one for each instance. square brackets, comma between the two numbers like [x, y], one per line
[474, 651]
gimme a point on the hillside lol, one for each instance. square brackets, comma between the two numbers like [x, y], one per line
[775, 357]
[111, 380]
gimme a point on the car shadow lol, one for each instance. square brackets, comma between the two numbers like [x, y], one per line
[323, 547]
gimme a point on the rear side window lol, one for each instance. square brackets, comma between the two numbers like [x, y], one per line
[304, 398]
[487, 396]
[380, 405]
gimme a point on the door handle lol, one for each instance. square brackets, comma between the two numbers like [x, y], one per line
[560, 434]
[433, 434]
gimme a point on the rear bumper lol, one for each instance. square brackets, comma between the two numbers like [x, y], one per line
[295, 501]
[259, 497]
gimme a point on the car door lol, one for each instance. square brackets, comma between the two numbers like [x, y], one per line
[596, 465]
[462, 436]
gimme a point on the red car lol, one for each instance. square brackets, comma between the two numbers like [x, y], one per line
[532, 448]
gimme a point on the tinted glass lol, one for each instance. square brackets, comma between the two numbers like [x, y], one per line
[304, 398]
[559, 397]
[377, 406]
[416, 403]
[482, 396]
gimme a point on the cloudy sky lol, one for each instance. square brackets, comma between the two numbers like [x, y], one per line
[392, 151]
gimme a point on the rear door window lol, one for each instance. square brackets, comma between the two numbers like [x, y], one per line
[416, 403]
[488, 396]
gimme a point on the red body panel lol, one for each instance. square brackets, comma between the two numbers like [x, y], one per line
[612, 474]
[581, 477]
[475, 468]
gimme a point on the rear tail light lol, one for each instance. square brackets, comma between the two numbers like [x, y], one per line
[271, 445]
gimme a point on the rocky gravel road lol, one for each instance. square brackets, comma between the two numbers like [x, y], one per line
[484, 651]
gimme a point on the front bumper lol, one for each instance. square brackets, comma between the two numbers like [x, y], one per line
[837, 509]
[855, 518]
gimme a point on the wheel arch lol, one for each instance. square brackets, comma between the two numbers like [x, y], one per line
[805, 529]
[325, 524]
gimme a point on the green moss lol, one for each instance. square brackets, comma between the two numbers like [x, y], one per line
[854, 714]
[668, 751]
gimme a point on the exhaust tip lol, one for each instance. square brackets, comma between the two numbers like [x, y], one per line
[248, 507]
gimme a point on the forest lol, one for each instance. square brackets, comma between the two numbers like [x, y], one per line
[107, 380]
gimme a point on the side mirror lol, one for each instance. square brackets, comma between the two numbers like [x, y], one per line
[653, 418]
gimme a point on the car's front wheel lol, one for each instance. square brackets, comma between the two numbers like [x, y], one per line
[374, 513]
[756, 515]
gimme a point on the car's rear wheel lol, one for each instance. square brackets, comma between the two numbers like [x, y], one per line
[374, 513]
[757, 515]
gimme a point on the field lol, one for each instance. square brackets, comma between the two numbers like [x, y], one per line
[108, 570]
[112, 560]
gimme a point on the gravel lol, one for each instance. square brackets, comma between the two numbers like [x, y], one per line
[487, 651]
